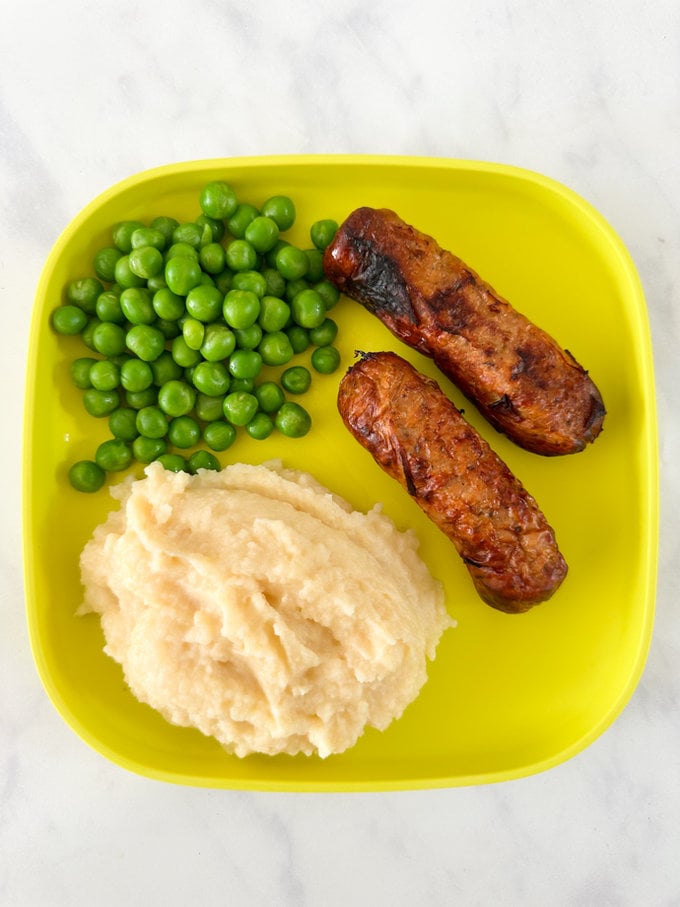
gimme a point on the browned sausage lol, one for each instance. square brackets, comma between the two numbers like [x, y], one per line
[521, 380]
[418, 437]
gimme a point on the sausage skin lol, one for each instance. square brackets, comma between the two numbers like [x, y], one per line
[519, 378]
[417, 436]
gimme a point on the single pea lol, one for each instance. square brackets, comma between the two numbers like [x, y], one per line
[190, 232]
[250, 280]
[322, 232]
[136, 304]
[242, 384]
[122, 234]
[86, 476]
[183, 354]
[151, 422]
[293, 420]
[212, 258]
[80, 371]
[215, 227]
[148, 237]
[123, 423]
[157, 282]
[275, 282]
[325, 359]
[181, 250]
[211, 378]
[315, 269]
[241, 255]
[219, 342]
[165, 368]
[145, 341]
[100, 403]
[184, 432]
[84, 292]
[109, 339]
[104, 263]
[291, 262]
[113, 455]
[173, 462]
[240, 407]
[262, 233]
[296, 379]
[146, 450]
[176, 398]
[167, 304]
[275, 348]
[165, 225]
[204, 302]
[260, 426]
[219, 435]
[274, 313]
[183, 274]
[248, 338]
[105, 375]
[145, 261]
[328, 292]
[125, 276]
[108, 308]
[245, 364]
[241, 308]
[281, 209]
[136, 375]
[193, 332]
[218, 200]
[203, 459]
[308, 309]
[69, 320]
[139, 399]
[270, 397]
[239, 220]
[325, 333]
[208, 409]
[299, 337]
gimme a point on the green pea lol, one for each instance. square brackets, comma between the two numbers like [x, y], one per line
[276, 349]
[281, 209]
[113, 455]
[139, 399]
[145, 341]
[204, 302]
[262, 233]
[183, 354]
[173, 462]
[211, 378]
[146, 450]
[308, 309]
[274, 313]
[218, 342]
[245, 363]
[293, 420]
[215, 230]
[125, 276]
[151, 422]
[123, 424]
[190, 233]
[167, 304]
[253, 281]
[224, 281]
[136, 375]
[291, 262]
[169, 329]
[275, 282]
[166, 226]
[84, 293]
[296, 379]
[219, 435]
[136, 305]
[241, 308]
[87, 333]
[122, 234]
[218, 200]
[325, 333]
[104, 263]
[100, 403]
[69, 320]
[182, 274]
[108, 308]
[260, 426]
[145, 261]
[299, 338]
[270, 397]
[322, 232]
[80, 371]
[181, 250]
[109, 339]
[241, 255]
[242, 384]
[203, 459]
[315, 270]
[212, 258]
[325, 359]
[86, 476]
[239, 220]
[193, 332]
[249, 338]
[176, 398]
[328, 292]
[165, 368]
[151, 236]
[208, 409]
[184, 432]
[105, 375]
[293, 287]
[240, 407]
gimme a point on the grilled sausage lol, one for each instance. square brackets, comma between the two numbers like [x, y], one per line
[416, 434]
[520, 379]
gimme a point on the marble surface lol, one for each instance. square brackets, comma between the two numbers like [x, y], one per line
[587, 93]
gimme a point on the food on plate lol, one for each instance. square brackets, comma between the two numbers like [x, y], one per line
[418, 437]
[258, 607]
[186, 320]
[521, 380]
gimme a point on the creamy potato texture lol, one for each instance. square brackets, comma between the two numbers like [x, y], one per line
[258, 607]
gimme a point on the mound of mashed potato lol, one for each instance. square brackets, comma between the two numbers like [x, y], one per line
[258, 607]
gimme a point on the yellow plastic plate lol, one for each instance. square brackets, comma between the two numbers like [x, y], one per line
[508, 695]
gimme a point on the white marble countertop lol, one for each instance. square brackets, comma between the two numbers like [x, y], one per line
[587, 93]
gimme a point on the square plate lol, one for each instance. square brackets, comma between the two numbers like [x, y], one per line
[507, 695]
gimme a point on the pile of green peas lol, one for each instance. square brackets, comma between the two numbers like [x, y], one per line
[182, 318]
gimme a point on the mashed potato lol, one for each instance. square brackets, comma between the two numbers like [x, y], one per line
[258, 607]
